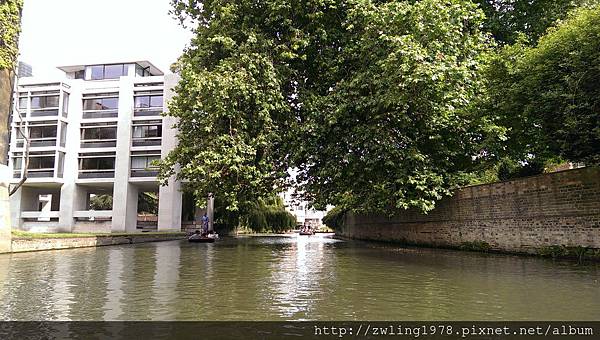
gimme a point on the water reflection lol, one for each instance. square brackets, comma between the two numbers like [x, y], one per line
[290, 278]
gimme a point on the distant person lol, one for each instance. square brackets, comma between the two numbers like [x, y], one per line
[205, 223]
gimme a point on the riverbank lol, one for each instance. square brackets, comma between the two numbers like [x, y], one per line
[24, 241]
[551, 215]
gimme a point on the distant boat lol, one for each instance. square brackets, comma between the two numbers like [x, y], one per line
[196, 238]
[306, 233]
[201, 240]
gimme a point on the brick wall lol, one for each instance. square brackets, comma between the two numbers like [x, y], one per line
[561, 208]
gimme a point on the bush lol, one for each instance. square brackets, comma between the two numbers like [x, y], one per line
[334, 218]
[269, 215]
[509, 169]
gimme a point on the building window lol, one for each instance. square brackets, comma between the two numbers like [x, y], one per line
[17, 163]
[100, 133]
[80, 74]
[41, 163]
[103, 163]
[99, 72]
[44, 102]
[65, 104]
[147, 131]
[22, 103]
[36, 132]
[149, 101]
[141, 71]
[97, 104]
[144, 162]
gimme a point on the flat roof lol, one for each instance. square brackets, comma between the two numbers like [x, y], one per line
[144, 63]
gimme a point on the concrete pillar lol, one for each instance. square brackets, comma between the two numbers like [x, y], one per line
[170, 196]
[210, 211]
[169, 206]
[124, 194]
[72, 196]
[5, 225]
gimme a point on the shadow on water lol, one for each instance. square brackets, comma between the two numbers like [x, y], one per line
[291, 278]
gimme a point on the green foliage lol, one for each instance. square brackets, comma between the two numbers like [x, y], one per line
[547, 97]
[334, 218]
[101, 202]
[269, 215]
[10, 27]
[480, 246]
[509, 169]
[395, 131]
[507, 20]
[148, 203]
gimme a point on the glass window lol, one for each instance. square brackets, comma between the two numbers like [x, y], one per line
[101, 104]
[80, 74]
[98, 163]
[110, 103]
[41, 162]
[138, 162]
[107, 133]
[97, 72]
[100, 133]
[154, 131]
[139, 71]
[156, 101]
[147, 131]
[42, 132]
[143, 162]
[22, 102]
[65, 103]
[113, 71]
[17, 163]
[142, 101]
[44, 102]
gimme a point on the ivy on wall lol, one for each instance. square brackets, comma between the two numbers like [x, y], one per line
[10, 17]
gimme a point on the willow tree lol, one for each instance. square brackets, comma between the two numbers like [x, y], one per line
[367, 99]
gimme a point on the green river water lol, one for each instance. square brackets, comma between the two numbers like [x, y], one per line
[291, 278]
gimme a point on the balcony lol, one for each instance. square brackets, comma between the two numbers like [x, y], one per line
[97, 173]
[100, 114]
[144, 173]
[98, 143]
[147, 111]
[44, 113]
[150, 141]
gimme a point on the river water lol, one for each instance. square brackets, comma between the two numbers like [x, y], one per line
[291, 278]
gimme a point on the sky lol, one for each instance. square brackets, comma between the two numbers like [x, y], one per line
[76, 32]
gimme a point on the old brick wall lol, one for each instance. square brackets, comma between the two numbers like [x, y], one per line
[522, 215]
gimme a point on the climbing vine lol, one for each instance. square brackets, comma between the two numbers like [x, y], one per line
[10, 17]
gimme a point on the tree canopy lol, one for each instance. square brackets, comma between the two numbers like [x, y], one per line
[548, 96]
[376, 105]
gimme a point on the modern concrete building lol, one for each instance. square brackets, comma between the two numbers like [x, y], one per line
[24, 70]
[93, 136]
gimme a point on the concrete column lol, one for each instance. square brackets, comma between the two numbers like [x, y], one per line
[5, 225]
[210, 211]
[72, 196]
[124, 194]
[170, 196]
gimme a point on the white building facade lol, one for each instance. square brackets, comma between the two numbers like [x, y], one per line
[93, 138]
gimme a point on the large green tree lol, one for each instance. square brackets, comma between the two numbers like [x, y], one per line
[368, 100]
[395, 131]
[548, 96]
[507, 20]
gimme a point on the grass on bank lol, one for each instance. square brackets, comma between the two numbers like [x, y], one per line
[19, 234]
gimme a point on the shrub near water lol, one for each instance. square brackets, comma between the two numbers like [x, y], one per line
[270, 216]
